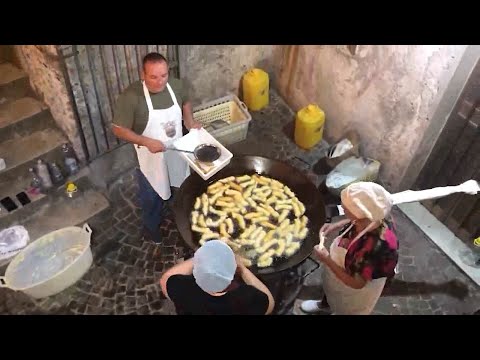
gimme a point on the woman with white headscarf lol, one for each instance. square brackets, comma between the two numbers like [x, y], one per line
[362, 257]
[365, 253]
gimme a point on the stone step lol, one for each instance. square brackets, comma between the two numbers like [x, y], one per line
[14, 83]
[22, 152]
[21, 117]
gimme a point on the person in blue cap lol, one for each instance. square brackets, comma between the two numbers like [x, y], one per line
[205, 285]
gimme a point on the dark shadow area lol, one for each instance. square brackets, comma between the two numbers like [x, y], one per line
[321, 167]
[311, 292]
[454, 288]
[103, 249]
[289, 131]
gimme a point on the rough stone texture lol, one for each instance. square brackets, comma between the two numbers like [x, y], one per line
[110, 166]
[387, 93]
[43, 66]
[9, 73]
[124, 276]
[212, 71]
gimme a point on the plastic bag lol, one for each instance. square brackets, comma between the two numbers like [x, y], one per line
[345, 148]
[351, 170]
[12, 241]
[340, 148]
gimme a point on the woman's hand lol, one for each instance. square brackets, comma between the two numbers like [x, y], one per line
[328, 227]
[321, 253]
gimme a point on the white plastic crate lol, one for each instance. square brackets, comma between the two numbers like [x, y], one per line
[229, 109]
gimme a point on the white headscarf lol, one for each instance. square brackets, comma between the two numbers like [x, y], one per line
[367, 200]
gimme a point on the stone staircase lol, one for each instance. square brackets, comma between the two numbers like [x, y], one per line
[28, 133]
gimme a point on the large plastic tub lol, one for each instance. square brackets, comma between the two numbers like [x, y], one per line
[50, 264]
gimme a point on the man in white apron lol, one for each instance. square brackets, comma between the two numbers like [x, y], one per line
[149, 115]
[353, 283]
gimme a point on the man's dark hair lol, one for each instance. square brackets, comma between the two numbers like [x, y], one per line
[154, 57]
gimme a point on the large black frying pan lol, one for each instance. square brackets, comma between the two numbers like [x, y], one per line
[305, 190]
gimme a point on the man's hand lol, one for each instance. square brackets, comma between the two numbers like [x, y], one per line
[240, 264]
[155, 146]
[195, 125]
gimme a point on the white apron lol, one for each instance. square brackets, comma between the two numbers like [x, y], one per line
[343, 299]
[166, 169]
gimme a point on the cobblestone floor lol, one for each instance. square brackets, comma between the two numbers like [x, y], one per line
[124, 276]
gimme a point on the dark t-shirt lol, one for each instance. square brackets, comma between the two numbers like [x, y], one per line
[190, 299]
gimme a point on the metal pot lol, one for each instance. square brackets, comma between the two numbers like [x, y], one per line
[305, 190]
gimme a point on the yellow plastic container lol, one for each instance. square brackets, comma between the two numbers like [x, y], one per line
[309, 124]
[255, 89]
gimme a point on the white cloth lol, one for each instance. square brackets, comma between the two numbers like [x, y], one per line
[163, 170]
[343, 299]
[470, 187]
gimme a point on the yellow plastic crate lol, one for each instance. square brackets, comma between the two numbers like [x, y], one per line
[229, 109]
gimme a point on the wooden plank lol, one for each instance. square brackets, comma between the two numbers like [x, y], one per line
[121, 66]
[141, 52]
[451, 132]
[162, 49]
[454, 160]
[457, 154]
[151, 48]
[173, 60]
[466, 170]
[461, 210]
[472, 223]
[103, 99]
[78, 95]
[131, 59]
[113, 82]
[87, 81]
[444, 145]
[428, 204]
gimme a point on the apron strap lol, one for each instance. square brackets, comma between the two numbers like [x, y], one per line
[363, 232]
[172, 94]
[147, 97]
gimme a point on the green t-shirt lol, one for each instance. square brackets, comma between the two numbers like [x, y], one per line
[131, 109]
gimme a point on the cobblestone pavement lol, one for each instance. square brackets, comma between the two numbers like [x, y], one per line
[124, 276]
